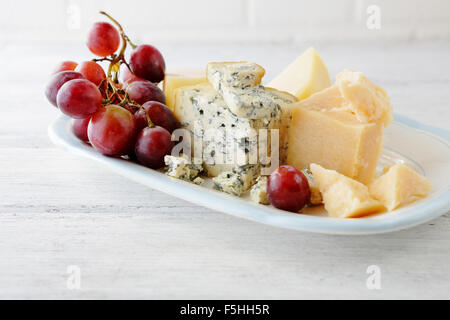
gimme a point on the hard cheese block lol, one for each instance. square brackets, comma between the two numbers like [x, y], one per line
[335, 140]
[180, 79]
[305, 76]
[344, 197]
[398, 185]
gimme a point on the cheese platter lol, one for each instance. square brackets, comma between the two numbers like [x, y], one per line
[302, 152]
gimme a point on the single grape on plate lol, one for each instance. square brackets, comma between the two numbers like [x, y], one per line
[152, 145]
[288, 189]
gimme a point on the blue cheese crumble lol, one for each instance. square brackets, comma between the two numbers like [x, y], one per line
[238, 180]
[181, 168]
[258, 192]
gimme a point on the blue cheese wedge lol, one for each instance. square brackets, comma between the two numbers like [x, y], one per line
[234, 102]
[202, 111]
[238, 75]
[251, 100]
[237, 181]
[247, 98]
[258, 193]
[252, 103]
[181, 168]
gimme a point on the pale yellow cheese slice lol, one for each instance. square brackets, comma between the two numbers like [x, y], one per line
[398, 185]
[344, 197]
[179, 79]
[303, 77]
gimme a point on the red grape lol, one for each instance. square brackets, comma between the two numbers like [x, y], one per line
[92, 71]
[57, 81]
[112, 131]
[103, 39]
[143, 91]
[288, 189]
[159, 114]
[79, 128]
[148, 63]
[79, 98]
[127, 77]
[65, 66]
[152, 145]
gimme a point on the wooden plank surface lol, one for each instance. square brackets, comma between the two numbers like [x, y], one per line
[130, 241]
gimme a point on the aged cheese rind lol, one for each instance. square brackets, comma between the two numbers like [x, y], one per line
[399, 185]
[344, 197]
[303, 77]
[335, 140]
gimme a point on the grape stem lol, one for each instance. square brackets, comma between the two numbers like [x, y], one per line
[114, 60]
[149, 122]
[121, 56]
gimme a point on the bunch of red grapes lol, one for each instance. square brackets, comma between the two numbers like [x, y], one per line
[121, 112]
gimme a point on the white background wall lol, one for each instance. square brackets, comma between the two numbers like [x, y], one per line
[281, 21]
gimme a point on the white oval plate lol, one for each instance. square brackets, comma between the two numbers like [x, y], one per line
[424, 147]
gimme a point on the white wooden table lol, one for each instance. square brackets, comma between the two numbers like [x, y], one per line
[129, 241]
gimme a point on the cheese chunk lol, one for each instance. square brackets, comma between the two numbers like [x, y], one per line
[335, 140]
[305, 76]
[344, 197]
[201, 109]
[176, 80]
[234, 74]
[316, 196]
[238, 180]
[238, 83]
[258, 193]
[367, 101]
[181, 168]
[198, 181]
[400, 184]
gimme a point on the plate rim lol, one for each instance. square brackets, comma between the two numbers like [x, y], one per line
[422, 213]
